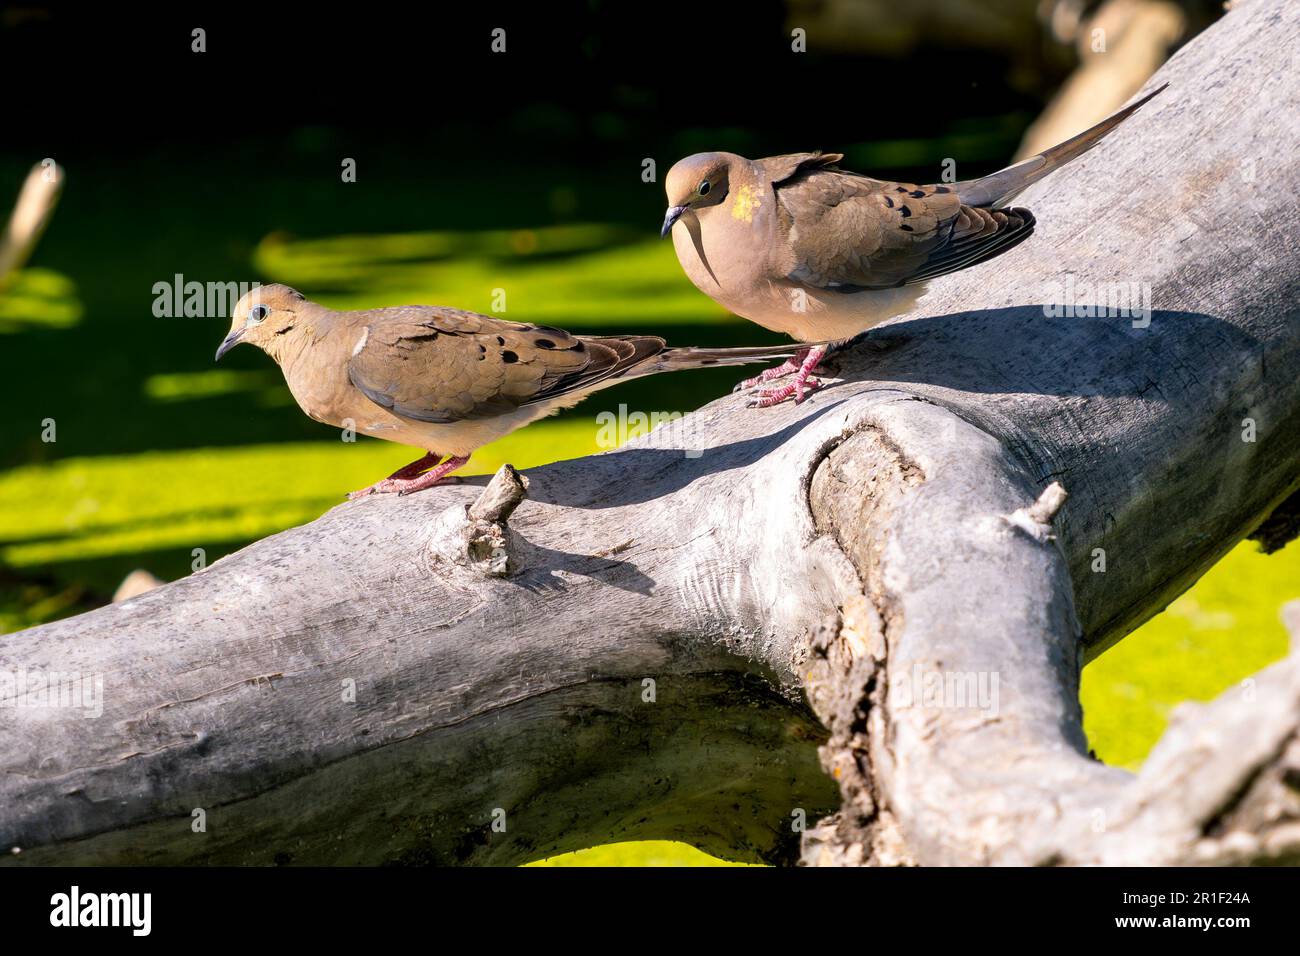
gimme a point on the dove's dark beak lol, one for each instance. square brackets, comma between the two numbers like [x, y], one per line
[228, 343]
[671, 216]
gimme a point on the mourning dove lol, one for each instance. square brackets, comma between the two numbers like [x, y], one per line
[443, 379]
[822, 254]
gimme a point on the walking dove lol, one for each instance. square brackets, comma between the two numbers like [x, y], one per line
[800, 246]
[442, 379]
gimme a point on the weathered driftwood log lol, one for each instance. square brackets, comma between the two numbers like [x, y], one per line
[658, 644]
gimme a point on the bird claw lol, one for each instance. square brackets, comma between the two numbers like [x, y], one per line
[785, 368]
[376, 489]
[775, 396]
[403, 482]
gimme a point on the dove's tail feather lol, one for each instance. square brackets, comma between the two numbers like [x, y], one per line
[998, 188]
[675, 359]
[617, 358]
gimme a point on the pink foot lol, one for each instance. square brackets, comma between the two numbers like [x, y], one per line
[775, 396]
[406, 480]
[803, 382]
[785, 368]
[414, 468]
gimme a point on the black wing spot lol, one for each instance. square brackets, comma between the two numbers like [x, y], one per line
[509, 357]
[942, 189]
[708, 361]
[544, 344]
[918, 194]
[904, 212]
[581, 346]
[500, 340]
[901, 189]
[889, 202]
[906, 228]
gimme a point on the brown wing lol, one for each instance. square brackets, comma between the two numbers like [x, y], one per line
[777, 169]
[443, 365]
[848, 233]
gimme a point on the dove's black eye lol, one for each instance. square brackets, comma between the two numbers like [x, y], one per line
[258, 313]
[704, 188]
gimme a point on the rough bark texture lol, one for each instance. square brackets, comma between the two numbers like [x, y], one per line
[830, 578]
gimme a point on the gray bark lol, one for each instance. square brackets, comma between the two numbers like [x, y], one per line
[791, 590]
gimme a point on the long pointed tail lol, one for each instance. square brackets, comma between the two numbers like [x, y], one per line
[675, 359]
[1000, 187]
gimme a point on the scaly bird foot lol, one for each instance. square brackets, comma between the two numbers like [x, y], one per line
[808, 359]
[775, 396]
[406, 480]
[785, 368]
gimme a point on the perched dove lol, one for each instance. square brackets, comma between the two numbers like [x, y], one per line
[800, 246]
[441, 379]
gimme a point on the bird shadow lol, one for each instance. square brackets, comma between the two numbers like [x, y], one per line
[974, 351]
[601, 481]
[589, 484]
[994, 351]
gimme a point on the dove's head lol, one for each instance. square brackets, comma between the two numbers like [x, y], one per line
[261, 316]
[697, 182]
